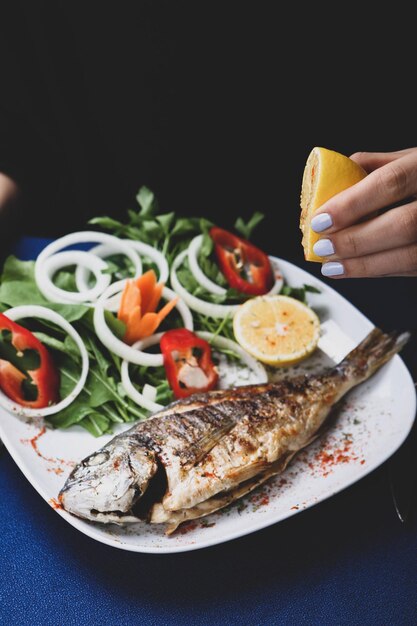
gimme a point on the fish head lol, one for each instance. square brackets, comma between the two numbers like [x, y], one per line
[106, 485]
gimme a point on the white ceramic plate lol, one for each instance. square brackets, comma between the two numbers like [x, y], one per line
[373, 422]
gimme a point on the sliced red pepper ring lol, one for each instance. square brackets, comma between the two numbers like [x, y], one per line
[28, 375]
[245, 267]
[188, 364]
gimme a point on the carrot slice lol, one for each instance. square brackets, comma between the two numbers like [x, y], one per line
[134, 315]
[132, 322]
[166, 309]
[140, 299]
[131, 298]
[146, 284]
[148, 324]
[156, 297]
[142, 328]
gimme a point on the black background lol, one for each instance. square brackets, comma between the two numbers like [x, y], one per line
[214, 106]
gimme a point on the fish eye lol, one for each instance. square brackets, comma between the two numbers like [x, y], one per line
[96, 459]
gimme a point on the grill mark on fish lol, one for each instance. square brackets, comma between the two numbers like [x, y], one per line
[186, 435]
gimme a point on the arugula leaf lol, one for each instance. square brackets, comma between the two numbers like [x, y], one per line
[186, 226]
[52, 342]
[73, 414]
[299, 292]
[100, 393]
[216, 327]
[166, 221]
[147, 201]
[246, 229]
[107, 223]
[69, 376]
[96, 424]
[207, 246]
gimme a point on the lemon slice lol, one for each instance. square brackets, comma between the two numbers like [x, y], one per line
[326, 173]
[277, 330]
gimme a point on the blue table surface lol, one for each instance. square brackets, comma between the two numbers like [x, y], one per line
[348, 560]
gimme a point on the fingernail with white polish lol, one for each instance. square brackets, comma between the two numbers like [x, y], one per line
[321, 222]
[332, 269]
[323, 247]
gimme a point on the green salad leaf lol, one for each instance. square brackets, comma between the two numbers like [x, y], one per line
[246, 229]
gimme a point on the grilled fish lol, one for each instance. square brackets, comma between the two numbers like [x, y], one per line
[200, 454]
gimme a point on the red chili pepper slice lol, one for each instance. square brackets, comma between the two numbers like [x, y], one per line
[28, 375]
[245, 267]
[187, 361]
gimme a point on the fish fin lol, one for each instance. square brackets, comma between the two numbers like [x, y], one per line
[206, 440]
[175, 518]
[376, 349]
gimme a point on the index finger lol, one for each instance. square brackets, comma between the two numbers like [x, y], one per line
[395, 181]
[372, 160]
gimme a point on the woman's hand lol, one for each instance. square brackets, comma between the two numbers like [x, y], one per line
[370, 229]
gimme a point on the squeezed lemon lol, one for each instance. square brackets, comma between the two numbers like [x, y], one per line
[326, 173]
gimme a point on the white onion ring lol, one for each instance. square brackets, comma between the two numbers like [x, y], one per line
[215, 340]
[155, 255]
[196, 304]
[120, 348]
[41, 312]
[82, 273]
[199, 275]
[84, 260]
[279, 281]
[103, 250]
[128, 386]
[82, 237]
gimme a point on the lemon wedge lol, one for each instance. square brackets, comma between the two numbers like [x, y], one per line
[326, 173]
[277, 330]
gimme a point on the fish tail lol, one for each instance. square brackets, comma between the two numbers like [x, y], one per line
[376, 349]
